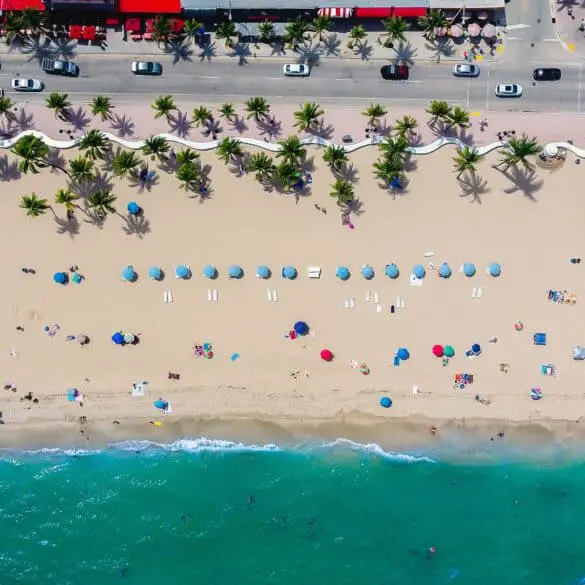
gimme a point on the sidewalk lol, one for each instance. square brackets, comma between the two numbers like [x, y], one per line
[568, 20]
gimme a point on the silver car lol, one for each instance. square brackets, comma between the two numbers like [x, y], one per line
[22, 84]
[508, 90]
[466, 70]
[296, 70]
[146, 68]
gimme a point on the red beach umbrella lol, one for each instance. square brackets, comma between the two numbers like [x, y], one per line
[438, 351]
[326, 355]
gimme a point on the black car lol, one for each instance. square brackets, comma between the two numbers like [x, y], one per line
[549, 74]
[394, 71]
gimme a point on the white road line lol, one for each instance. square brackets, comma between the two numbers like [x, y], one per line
[579, 89]
[468, 93]
[487, 90]
[343, 79]
[516, 26]
[209, 77]
[550, 40]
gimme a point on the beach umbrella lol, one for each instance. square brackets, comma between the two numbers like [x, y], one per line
[263, 271]
[161, 404]
[210, 271]
[449, 351]
[456, 31]
[154, 273]
[473, 29]
[536, 394]
[82, 339]
[440, 31]
[418, 270]
[289, 272]
[403, 353]
[60, 277]
[72, 394]
[301, 328]
[129, 338]
[182, 271]
[469, 269]
[444, 270]
[391, 271]
[342, 272]
[326, 355]
[134, 208]
[476, 348]
[118, 338]
[385, 402]
[367, 272]
[438, 351]
[235, 271]
[128, 273]
[494, 269]
[489, 31]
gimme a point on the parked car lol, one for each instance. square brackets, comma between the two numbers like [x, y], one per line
[466, 70]
[392, 71]
[60, 67]
[22, 84]
[547, 74]
[146, 68]
[508, 90]
[296, 70]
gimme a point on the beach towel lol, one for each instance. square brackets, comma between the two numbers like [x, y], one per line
[138, 390]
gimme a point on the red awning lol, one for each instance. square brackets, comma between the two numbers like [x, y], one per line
[336, 12]
[408, 12]
[149, 6]
[373, 12]
[133, 25]
[18, 5]
[177, 25]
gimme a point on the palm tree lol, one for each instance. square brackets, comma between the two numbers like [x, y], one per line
[433, 20]
[101, 105]
[438, 110]
[308, 116]
[192, 29]
[32, 152]
[102, 201]
[466, 160]
[227, 111]
[295, 32]
[96, 144]
[343, 191]
[261, 164]
[161, 28]
[257, 107]
[59, 103]
[291, 150]
[81, 169]
[202, 115]
[517, 151]
[229, 149]
[374, 112]
[335, 156]
[320, 25]
[125, 162]
[67, 198]
[394, 148]
[356, 36]
[406, 126]
[286, 174]
[189, 175]
[34, 20]
[266, 30]
[33, 205]
[14, 27]
[389, 171]
[156, 147]
[458, 117]
[6, 105]
[226, 30]
[163, 105]
[186, 156]
[394, 29]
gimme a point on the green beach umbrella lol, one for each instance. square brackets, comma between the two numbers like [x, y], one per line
[449, 351]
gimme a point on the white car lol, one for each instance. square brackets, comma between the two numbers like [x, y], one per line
[296, 70]
[22, 84]
[466, 70]
[508, 90]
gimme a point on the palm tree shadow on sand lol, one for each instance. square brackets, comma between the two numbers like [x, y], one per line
[179, 51]
[473, 186]
[56, 159]
[135, 182]
[271, 129]
[239, 125]
[242, 52]
[9, 170]
[122, 125]
[523, 181]
[78, 118]
[180, 124]
[348, 172]
[208, 52]
[356, 206]
[67, 225]
[136, 225]
[20, 122]
[85, 189]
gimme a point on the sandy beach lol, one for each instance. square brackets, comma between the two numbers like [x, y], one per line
[532, 228]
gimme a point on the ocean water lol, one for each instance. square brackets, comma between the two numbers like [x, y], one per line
[213, 512]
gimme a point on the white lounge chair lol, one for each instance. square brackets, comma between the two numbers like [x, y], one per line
[314, 272]
[479, 292]
[214, 295]
[473, 293]
[269, 295]
[165, 296]
[209, 295]
[346, 303]
[169, 296]
[352, 303]
[274, 296]
[376, 298]
[368, 297]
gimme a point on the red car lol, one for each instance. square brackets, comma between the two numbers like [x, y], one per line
[394, 71]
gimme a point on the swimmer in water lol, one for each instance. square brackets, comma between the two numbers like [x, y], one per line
[430, 552]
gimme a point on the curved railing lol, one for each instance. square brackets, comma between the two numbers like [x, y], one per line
[274, 147]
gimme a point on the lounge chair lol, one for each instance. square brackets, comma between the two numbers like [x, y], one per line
[314, 272]
[209, 295]
[214, 295]
[479, 292]
[274, 296]
[269, 294]
[473, 293]
[169, 296]
[352, 303]
[376, 298]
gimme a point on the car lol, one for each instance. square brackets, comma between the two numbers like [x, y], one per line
[146, 68]
[22, 84]
[60, 67]
[547, 74]
[296, 70]
[394, 71]
[508, 90]
[466, 70]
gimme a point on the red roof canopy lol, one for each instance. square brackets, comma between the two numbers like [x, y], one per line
[150, 6]
[17, 5]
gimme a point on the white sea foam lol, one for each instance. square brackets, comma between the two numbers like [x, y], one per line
[375, 449]
[192, 445]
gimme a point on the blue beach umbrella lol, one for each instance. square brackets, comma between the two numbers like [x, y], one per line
[494, 269]
[289, 272]
[367, 272]
[476, 348]
[210, 271]
[469, 269]
[418, 270]
[118, 338]
[301, 328]
[129, 274]
[182, 271]
[385, 402]
[342, 272]
[235, 271]
[60, 277]
[402, 354]
[161, 404]
[444, 270]
[133, 208]
[391, 271]
[155, 273]
[263, 271]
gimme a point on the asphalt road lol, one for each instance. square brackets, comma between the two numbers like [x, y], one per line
[332, 81]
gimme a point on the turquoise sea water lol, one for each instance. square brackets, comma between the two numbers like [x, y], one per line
[218, 513]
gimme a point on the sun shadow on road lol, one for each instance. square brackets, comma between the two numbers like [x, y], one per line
[179, 51]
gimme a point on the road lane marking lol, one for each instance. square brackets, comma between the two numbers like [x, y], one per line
[209, 77]
[579, 89]
[487, 90]
[516, 26]
[343, 79]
